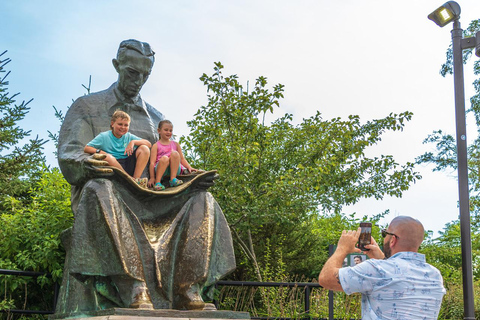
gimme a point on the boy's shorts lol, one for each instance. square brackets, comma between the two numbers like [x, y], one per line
[128, 164]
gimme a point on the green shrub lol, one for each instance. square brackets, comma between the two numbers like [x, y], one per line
[31, 241]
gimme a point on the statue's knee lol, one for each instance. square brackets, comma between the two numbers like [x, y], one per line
[93, 185]
[202, 194]
[203, 199]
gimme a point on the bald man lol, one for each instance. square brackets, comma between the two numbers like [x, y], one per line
[396, 283]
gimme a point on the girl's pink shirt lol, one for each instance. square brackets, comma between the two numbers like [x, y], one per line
[165, 150]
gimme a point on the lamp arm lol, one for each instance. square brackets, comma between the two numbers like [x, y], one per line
[471, 42]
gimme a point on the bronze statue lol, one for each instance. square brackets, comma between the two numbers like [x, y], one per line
[129, 247]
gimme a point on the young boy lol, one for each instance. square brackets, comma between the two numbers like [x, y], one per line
[124, 150]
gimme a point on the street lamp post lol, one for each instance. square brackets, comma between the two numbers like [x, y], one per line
[450, 11]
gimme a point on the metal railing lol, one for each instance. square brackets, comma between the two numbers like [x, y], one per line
[307, 285]
[35, 275]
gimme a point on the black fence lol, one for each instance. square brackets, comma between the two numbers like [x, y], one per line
[34, 275]
[308, 288]
[307, 285]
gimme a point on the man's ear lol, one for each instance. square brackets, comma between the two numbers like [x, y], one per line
[393, 241]
[115, 64]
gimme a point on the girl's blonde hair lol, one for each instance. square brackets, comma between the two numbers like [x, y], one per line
[119, 114]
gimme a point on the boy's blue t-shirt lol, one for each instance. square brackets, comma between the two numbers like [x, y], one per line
[107, 142]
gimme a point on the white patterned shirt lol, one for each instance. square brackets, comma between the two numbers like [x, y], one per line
[401, 287]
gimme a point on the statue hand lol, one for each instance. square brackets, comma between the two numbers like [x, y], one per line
[208, 182]
[94, 162]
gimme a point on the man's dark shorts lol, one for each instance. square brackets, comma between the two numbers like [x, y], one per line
[128, 164]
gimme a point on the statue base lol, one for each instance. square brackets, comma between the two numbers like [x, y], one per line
[143, 314]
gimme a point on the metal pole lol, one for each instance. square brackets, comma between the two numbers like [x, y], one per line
[307, 301]
[330, 292]
[466, 242]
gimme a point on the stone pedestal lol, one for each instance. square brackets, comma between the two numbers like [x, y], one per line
[161, 314]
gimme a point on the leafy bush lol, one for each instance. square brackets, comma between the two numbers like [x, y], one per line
[31, 241]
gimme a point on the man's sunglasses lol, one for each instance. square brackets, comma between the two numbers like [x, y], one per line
[385, 233]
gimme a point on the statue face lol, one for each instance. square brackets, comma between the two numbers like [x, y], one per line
[133, 71]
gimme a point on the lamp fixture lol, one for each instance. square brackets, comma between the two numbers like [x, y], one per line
[448, 12]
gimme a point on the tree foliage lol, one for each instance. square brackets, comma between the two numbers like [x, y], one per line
[30, 236]
[18, 163]
[34, 208]
[273, 176]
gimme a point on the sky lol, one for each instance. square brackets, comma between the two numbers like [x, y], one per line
[364, 57]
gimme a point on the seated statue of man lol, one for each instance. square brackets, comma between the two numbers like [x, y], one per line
[130, 248]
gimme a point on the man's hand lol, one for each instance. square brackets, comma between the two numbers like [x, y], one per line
[94, 162]
[348, 240]
[328, 277]
[375, 252]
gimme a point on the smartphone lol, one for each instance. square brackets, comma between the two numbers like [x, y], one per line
[365, 235]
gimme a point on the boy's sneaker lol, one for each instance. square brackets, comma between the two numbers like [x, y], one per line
[142, 182]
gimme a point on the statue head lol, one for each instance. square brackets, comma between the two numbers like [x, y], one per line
[134, 63]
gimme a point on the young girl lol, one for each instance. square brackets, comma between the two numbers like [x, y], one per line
[166, 158]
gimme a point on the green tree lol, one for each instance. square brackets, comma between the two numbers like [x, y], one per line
[19, 164]
[34, 209]
[30, 236]
[274, 176]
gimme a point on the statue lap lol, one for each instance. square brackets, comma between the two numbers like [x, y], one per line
[186, 245]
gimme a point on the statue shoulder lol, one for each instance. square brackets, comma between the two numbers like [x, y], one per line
[92, 105]
[156, 115]
[96, 99]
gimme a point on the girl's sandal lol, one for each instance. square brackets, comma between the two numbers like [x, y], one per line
[175, 182]
[158, 187]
